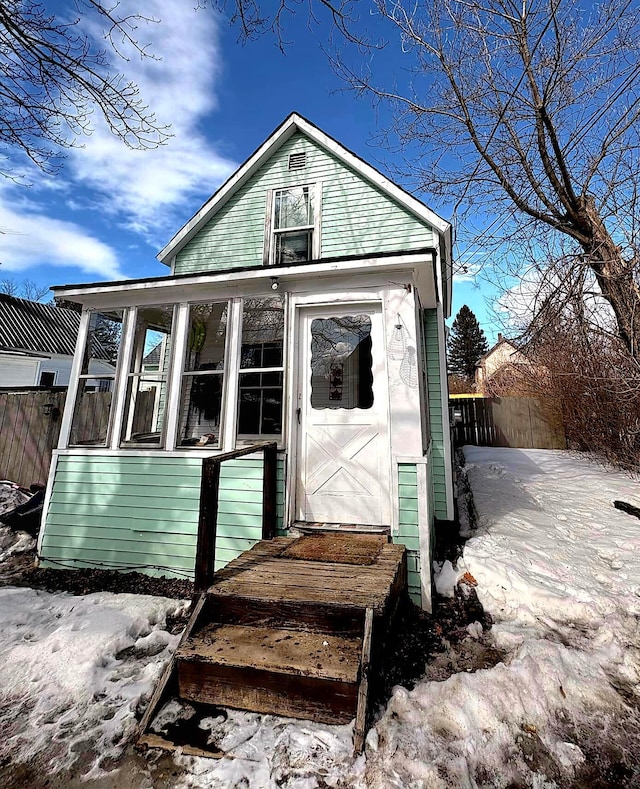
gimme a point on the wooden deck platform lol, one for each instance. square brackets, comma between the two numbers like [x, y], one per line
[346, 570]
[291, 627]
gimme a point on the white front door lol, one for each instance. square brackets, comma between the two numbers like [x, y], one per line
[344, 464]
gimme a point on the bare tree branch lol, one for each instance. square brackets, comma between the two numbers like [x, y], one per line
[24, 289]
[53, 77]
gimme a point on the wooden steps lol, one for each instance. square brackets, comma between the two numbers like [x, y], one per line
[282, 671]
[291, 628]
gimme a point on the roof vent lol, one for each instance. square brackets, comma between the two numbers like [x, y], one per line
[297, 161]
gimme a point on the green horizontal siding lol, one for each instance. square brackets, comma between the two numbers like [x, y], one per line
[436, 416]
[141, 513]
[357, 218]
[408, 527]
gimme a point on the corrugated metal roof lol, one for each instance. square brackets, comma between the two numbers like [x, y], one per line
[31, 326]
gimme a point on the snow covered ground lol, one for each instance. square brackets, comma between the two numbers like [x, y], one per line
[557, 569]
[73, 669]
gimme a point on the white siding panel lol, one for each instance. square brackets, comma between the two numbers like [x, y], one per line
[18, 371]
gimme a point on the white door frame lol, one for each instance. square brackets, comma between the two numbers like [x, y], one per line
[299, 307]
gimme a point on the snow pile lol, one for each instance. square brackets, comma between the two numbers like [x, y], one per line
[445, 578]
[552, 555]
[272, 752]
[65, 684]
[14, 542]
[557, 570]
[511, 725]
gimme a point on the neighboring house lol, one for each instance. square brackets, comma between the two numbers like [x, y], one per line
[37, 343]
[503, 367]
[305, 304]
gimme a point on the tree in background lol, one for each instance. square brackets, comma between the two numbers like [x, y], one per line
[525, 114]
[459, 385]
[23, 289]
[467, 344]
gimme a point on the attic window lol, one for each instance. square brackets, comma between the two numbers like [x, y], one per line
[298, 161]
[293, 224]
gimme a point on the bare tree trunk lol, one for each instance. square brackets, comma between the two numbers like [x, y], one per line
[615, 276]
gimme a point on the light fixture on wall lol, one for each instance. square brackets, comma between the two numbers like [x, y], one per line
[51, 409]
[274, 283]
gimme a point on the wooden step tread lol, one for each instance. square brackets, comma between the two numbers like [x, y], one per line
[280, 650]
[311, 527]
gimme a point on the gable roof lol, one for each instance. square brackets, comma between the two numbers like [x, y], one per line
[153, 357]
[294, 123]
[502, 341]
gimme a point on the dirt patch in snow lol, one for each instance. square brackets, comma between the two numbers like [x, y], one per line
[132, 771]
[20, 570]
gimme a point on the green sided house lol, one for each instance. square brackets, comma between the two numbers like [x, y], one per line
[304, 305]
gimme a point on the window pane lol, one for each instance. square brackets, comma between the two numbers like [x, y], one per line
[341, 363]
[293, 208]
[206, 337]
[262, 332]
[90, 421]
[103, 342]
[147, 385]
[259, 407]
[200, 409]
[201, 395]
[151, 343]
[146, 399]
[293, 247]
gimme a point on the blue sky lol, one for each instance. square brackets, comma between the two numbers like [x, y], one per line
[109, 210]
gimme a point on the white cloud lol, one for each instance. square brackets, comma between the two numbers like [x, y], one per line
[142, 187]
[30, 238]
[519, 304]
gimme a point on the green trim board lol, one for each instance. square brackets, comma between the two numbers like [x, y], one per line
[137, 512]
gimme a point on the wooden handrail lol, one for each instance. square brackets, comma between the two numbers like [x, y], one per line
[208, 515]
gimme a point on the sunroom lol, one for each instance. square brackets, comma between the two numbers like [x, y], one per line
[330, 364]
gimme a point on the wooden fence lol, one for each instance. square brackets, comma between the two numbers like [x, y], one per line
[29, 430]
[525, 422]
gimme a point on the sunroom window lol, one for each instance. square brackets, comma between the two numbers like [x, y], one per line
[203, 376]
[261, 369]
[92, 409]
[146, 397]
[293, 225]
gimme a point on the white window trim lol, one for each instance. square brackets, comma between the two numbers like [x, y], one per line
[122, 378]
[74, 381]
[230, 401]
[248, 439]
[180, 356]
[120, 429]
[271, 232]
[76, 376]
[174, 381]
[173, 377]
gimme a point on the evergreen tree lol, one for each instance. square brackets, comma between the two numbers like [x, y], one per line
[467, 344]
